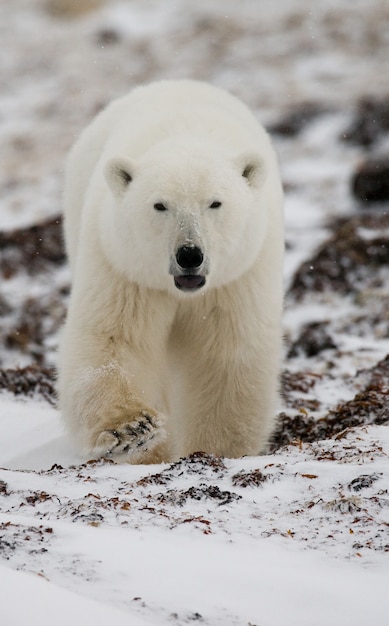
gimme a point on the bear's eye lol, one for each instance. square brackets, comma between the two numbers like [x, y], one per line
[158, 206]
[215, 205]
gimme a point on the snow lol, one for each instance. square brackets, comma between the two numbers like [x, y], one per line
[255, 573]
[295, 537]
[104, 544]
[33, 436]
[43, 603]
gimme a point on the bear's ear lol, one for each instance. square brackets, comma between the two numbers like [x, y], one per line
[252, 167]
[118, 174]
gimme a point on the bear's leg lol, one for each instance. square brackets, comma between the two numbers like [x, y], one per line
[227, 382]
[112, 388]
[107, 417]
[232, 411]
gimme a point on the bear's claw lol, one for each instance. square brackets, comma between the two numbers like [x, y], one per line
[131, 438]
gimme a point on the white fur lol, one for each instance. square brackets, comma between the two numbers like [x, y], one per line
[140, 358]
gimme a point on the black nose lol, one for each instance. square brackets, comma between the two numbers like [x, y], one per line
[189, 257]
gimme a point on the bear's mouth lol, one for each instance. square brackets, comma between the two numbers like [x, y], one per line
[189, 282]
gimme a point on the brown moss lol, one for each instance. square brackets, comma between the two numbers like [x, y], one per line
[29, 381]
[32, 249]
[347, 259]
[369, 406]
[254, 478]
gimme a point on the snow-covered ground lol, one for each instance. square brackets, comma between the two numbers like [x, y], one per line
[299, 536]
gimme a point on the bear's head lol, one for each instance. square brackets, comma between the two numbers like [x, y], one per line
[185, 217]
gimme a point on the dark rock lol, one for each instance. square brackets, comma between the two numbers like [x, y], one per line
[313, 339]
[370, 123]
[370, 182]
[297, 119]
[107, 37]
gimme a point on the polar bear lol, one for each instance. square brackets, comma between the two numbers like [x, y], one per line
[174, 231]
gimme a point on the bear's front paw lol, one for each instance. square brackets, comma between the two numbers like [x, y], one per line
[133, 438]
